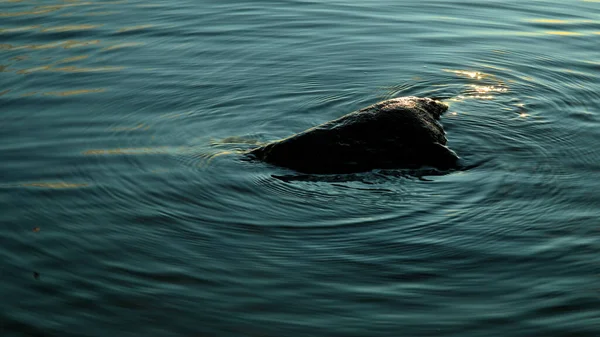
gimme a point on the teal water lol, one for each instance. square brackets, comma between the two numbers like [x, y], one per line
[126, 209]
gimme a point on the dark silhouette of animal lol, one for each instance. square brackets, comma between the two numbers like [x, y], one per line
[397, 133]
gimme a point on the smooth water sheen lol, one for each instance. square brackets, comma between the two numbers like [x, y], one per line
[127, 210]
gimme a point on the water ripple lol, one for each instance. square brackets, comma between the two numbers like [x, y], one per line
[125, 191]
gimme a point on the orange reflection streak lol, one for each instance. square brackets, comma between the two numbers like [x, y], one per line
[555, 21]
[55, 185]
[128, 151]
[38, 11]
[132, 28]
[123, 45]
[74, 92]
[69, 28]
[563, 33]
[64, 44]
[19, 29]
[72, 59]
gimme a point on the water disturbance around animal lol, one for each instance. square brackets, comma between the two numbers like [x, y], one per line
[126, 208]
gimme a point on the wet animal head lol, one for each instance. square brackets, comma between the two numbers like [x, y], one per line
[434, 107]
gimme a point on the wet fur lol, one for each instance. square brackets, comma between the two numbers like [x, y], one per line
[397, 133]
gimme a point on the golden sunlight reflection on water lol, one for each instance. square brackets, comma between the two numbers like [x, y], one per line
[55, 185]
[131, 151]
[64, 44]
[487, 85]
[133, 28]
[53, 52]
[74, 92]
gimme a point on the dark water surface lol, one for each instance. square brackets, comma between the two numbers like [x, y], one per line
[122, 187]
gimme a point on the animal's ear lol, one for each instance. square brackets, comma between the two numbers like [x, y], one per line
[434, 107]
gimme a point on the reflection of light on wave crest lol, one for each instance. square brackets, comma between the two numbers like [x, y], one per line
[55, 185]
[478, 91]
[470, 74]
